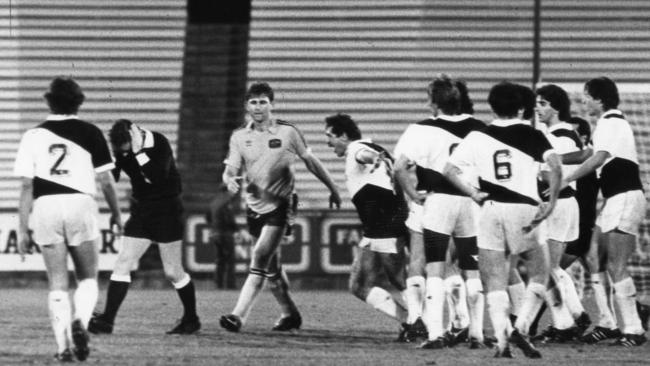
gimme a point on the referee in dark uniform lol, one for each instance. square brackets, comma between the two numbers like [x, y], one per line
[156, 216]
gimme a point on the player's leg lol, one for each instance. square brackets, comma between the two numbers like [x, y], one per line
[575, 250]
[370, 263]
[606, 327]
[435, 252]
[59, 306]
[278, 283]
[120, 280]
[456, 296]
[415, 281]
[265, 246]
[494, 268]
[467, 250]
[85, 260]
[621, 246]
[171, 256]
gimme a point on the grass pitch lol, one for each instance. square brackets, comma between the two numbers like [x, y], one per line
[337, 330]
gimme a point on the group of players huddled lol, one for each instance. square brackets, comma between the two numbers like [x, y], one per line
[475, 201]
[466, 202]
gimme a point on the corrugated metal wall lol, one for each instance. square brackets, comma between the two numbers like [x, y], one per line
[373, 59]
[126, 55]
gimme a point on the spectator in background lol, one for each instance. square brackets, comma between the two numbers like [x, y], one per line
[221, 217]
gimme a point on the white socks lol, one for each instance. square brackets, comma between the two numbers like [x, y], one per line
[457, 300]
[476, 302]
[414, 297]
[383, 301]
[60, 312]
[571, 298]
[85, 299]
[533, 300]
[433, 307]
[248, 294]
[626, 300]
[606, 317]
[498, 304]
[516, 293]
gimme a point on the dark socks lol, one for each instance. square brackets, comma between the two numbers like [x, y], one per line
[188, 298]
[115, 295]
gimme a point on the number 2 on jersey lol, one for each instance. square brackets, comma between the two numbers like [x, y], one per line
[502, 166]
[59, 151]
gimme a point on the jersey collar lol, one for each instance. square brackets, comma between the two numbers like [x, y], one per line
[147, 141]
[611, 111]
[272, 127]
[560, 126]
[456, 118]
[508, 122]
[61, 117]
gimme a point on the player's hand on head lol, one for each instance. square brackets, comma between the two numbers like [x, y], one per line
[335, 200]
[136, 138]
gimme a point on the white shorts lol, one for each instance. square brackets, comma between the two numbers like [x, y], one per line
[501, 227]
[451, 215]
[563, 224]
[59, 218]
[624, 212]
[414, 220]
[383, 245]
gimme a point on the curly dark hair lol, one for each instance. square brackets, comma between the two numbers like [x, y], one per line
[120, 132]
[64, 96]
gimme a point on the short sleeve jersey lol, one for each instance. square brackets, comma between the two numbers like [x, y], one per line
[507, 156]
[565, 140]
[620, 173]
[62, 155]
[266, 157]
[381, 209]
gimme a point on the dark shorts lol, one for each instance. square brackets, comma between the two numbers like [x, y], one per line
[159, 221]
[282, 216]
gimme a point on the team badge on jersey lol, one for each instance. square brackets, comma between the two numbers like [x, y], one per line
[275, 143]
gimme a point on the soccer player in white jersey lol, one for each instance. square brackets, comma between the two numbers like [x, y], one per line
[265, 150]
[405, 172]
[562, 226]
[447, 212]
[506, 157]
[382, 210]
[617, 226]
[58, 161]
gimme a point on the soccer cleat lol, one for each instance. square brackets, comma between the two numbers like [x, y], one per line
[186, 326]
[546, 335]
[97, 325]
[293, 321]
[644, 314]
[583, 322]
[418, 329]
[524, 345]
[438, 343]
[489, 341]
[474, 343]
[80, 339]
[455, 336]
[65, 356]
[405, 334]
[600, 333]
[630, 340]
[505, 353]
[231, 322]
